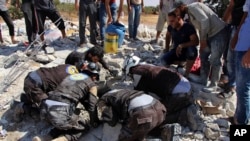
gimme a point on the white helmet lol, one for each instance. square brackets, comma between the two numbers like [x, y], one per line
[129, 62]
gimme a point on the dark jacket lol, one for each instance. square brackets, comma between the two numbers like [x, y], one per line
[118, 102]
[156, 79]
[52, 77]
[237, 12]
[74, 89]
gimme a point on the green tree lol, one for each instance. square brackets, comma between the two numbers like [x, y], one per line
[57, 2]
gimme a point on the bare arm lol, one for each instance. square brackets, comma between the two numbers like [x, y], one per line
[18, 3]
[120, 10]
[93, 90]
[194, 41]
[77, 5]
[129, 5]
[168, 40]
[227, 15]
[142, 6]
[107, 6]
[235, 37]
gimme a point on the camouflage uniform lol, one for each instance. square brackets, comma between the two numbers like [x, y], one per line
[60, 106]
[137, 121]
[38, 83]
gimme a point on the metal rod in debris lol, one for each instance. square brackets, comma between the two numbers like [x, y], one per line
[18, 70]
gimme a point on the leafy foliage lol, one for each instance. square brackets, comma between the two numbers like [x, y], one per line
[15, 13]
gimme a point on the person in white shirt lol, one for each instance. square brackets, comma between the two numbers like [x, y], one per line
[164, 8]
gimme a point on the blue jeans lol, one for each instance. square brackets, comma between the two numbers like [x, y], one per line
[211, 56]
[103, 17]
[170, 57]
[118, 29]
[231, 61]
[242, 112]
[134, 20]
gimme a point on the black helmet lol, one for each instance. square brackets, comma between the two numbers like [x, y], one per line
[92, 69]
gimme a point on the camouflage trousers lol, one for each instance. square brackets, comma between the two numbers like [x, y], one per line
[142, 120]
[65, 121]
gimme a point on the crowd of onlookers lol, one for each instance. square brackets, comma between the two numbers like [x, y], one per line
[222, 44]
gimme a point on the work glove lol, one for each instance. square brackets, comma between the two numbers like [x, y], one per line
[94, 121]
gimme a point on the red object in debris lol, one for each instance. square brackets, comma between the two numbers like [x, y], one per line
[26, 44]
[196, 66]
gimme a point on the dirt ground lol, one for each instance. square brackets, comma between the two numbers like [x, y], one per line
[146, 19]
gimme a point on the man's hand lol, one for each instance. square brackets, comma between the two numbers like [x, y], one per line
[178, 50]
[246, 60]
[76, 5]
[7, 4]
[142, 9]
[109, 21]
[129, 9]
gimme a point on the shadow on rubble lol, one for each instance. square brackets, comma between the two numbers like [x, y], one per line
[22, 127]
[8, 50]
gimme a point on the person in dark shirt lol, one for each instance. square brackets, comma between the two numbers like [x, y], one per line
[170, 87]
[59, 109]
[233, 15]
[87, 8]
[138, 112]
[46, 8]
[38, 83]
[27, 7]
[164, 83]
[184, 39]
[94, 54]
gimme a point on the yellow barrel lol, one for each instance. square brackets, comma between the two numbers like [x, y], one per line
[111, 43]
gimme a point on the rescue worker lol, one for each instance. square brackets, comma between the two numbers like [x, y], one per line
[39, 82]
[138, 112]
[43, 80]
[94, 54]
[59, 108]
[168, 86]
[171, 87]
